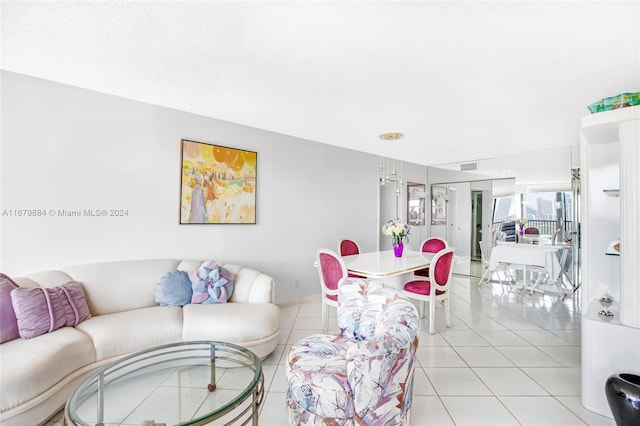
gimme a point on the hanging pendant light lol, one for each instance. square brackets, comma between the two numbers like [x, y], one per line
[396, 165]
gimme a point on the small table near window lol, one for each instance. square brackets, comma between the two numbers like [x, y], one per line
[524, 256]
[183, 383]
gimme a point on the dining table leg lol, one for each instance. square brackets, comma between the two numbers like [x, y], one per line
[394, 281]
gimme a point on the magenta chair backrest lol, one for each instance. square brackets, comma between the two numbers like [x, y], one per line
[442, 268]
[532, 230]
[433, 245]
[331, 269]
[348, 247]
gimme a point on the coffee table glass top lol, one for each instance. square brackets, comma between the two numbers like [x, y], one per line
[187, 383]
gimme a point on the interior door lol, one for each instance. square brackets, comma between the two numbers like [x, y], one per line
[476, 224]
[459, 225]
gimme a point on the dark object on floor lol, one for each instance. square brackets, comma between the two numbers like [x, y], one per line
[623, 395]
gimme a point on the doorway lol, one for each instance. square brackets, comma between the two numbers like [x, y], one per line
[476, 225]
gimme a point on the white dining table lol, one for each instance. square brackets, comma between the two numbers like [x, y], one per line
[524, 256]
[384, 267]
[535, 239]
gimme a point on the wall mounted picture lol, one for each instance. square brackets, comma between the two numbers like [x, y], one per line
[438, 205]
[415, 203]
[218, 184]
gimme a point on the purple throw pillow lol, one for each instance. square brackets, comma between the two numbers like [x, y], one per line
[211, 283]
[8, 322]
[43, 310]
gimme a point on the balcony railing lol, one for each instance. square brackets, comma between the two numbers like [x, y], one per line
[546, 227]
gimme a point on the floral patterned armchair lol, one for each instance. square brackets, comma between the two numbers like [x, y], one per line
[364, 373]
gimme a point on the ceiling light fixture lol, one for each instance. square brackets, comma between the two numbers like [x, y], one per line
[391, 136]
[395, 165]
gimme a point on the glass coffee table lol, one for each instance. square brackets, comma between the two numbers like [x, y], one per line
[187, 383]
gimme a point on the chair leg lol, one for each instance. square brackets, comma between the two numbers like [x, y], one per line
[432, 316]
[488, 271]
[325, 317]
[447, 311]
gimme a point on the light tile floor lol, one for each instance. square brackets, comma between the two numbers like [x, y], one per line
[507, 359]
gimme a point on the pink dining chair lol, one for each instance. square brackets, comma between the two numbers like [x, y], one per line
[332, 271]
[531, 231]
[435, 288]
[430, 245]
[348, 248]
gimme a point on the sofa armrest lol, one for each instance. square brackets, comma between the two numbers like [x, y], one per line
[251, 286]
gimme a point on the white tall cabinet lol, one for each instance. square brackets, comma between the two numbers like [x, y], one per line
[610, 183]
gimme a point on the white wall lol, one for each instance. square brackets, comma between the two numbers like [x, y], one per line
[69, 148]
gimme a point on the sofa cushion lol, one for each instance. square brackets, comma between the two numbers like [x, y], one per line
[238, 323]
[8, 321]
[30, 367]
[174, 289]
[43, 310]
[125, 332]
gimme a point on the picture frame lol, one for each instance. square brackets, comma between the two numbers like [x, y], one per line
[416, 197]
[438, 205]
[217, 184]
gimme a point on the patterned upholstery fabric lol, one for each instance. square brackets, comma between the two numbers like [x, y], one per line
[364, 373]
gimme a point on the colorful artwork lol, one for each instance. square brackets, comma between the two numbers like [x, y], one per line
[218, 184]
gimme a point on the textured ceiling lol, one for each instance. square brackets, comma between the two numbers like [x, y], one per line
[462, 80]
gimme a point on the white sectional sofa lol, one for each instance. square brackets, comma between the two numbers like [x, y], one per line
[38, 375]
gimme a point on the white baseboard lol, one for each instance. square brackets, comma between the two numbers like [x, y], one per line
[300, 300]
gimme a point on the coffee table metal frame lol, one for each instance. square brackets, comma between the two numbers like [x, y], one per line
[173, 356]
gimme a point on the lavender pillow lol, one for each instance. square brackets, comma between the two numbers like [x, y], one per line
[8, 322]
[42, 310]
[211, 283]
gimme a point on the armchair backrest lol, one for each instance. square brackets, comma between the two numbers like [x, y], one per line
[371, 310]
[531, 230]
[348, 247]
[433, 245]
[331, 269]
[441, 269]
[380, 363]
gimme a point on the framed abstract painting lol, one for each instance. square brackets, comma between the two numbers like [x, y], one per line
[217, 184]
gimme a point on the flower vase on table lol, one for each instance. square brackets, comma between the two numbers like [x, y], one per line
[398, 231]
[521, 222]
